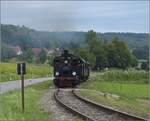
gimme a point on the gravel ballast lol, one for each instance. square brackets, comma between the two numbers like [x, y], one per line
[56, 112]
[96, 113]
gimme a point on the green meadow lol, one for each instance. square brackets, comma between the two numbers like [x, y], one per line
[10, 104]
[122, 89]
[8, 71]
[131, 86]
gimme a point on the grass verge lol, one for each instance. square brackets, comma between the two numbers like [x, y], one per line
[133, 91]
[10, 104]
[135, 107]
[128, 90]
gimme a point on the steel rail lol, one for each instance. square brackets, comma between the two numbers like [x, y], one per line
[107, 108]
[75, 112]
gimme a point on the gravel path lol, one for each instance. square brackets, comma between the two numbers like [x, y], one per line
[57, 112]
[96, 113]
[11, 85]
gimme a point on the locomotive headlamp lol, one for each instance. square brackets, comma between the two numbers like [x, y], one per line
[66, 61]
[73, 73]
[57, 73]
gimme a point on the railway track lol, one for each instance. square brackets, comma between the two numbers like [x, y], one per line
[88, 110]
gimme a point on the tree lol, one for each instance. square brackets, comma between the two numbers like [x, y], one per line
[92, 41]
[96, 48]
[6, 52]
[119, 55]
[27, 55]
[73, 46]
[86, 55]
[101, 59]
[50, 59]
[134, 61]
[145, 65]
[91, 59]
[47, 44]
[42, 56]
[55, 44]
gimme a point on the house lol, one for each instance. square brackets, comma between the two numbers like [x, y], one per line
[36, 51]
[17, 50]
[50, 52]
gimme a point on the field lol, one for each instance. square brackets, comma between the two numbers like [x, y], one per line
[8, 71]
[10, 104]
[131, 86]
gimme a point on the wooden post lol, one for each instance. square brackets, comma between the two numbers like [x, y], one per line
[22, 92]
[21, 68]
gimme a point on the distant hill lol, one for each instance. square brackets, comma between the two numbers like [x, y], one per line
[26, 37]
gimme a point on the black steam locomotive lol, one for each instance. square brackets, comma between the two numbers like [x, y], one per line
[69, 70]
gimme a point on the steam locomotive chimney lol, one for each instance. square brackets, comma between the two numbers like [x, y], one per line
[66, 52]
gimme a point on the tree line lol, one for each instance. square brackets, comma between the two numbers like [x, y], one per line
[101, 54]
[26, 37]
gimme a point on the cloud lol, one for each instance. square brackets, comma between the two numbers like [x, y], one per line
[71, 15]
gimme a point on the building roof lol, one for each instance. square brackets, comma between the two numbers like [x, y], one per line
[16, 49]
[36, 51]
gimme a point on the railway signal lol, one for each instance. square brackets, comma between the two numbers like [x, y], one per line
[21, 69]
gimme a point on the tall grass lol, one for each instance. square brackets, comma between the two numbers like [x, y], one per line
[130, 84]
[127, 76]
[10, 104]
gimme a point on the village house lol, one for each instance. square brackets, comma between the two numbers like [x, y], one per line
[36, 51]
[17, 50]
[50, 51]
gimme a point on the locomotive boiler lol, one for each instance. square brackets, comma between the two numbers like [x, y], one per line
[69, 70]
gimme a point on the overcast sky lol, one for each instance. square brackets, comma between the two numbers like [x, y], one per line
[109, 16]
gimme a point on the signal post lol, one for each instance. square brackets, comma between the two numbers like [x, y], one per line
[21, 69]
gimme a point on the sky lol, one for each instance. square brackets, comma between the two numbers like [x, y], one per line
[102, 16]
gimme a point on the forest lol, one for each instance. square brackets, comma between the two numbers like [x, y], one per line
[135, 44]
